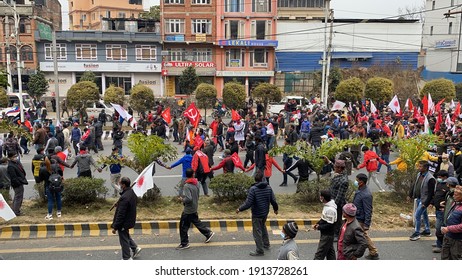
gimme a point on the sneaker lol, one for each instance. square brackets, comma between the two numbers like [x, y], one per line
[372, 257]
[256, 254]
[182, 247]
[49, 217]
[58, 214]
[426, 233]
[283, 185]
[137, 252]
[436, 250]
[415, 236]
[209, 237]
[268, 247]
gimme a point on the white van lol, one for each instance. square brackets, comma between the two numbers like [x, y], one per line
[12, 109]
[278, 108]
[94, 108]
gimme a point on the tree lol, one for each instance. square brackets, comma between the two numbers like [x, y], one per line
[38, 85]
[234, 95]
[266, 93]
[206, 95]
[114, 95]
[335, 77]
[141, 98]
[3, 79]
[153, 14]
[439, 89]
[145, 150]
[188, 80]
[459, 91]
[81, 93]
[350, 90]
[379, 90]
[88, 76]
[3, 98]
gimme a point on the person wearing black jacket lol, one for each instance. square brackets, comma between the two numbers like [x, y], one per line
[315, 135]
[292, 136]
[250, 148]
[125, 219]
[18, 180]
[117, 138]
[287, 161]
[260, 152]
[326, 225]
[304, 169]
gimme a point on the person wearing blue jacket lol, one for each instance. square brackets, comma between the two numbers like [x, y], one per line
[363, 202]
[185, 161]
[259, 198]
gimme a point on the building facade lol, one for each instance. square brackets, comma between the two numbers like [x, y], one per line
[33, 15]
[189, 31]
[118, 58]
[442, 41]
[89, 14]
[301, 9]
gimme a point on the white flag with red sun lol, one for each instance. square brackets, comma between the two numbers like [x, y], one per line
[144, 181]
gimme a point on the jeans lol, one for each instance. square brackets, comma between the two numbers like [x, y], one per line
[325, 248]
[18, 198]
[270, 142]
[284, 176]
[260, 233]
[421, 211]
[185, 224]
[220, 141]
[52, 196]
[386, 158]
[439, 222]
[127, 243]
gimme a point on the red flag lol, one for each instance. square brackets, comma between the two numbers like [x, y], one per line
[425, 105]
[456, 112]
[438, 105]
[409, 104]
[438, 123]
[193, 114]
[416, 113]
[198, 142]
[236, 160]
[166, 115]
[386, 129]
[235, 115]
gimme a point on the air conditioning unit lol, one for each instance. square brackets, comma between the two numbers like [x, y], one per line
[260, 64]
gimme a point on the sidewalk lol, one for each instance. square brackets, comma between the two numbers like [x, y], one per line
[143, 227]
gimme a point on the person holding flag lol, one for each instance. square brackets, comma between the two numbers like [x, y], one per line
[229, 163]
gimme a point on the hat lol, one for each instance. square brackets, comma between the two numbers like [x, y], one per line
[452, 181]
[349, 209]
[76, 124]
[58, 149]
[339, 163]
[291, 229]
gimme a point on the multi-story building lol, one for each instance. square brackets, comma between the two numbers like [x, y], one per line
[118, 58]
[89, 14]
[189, 31]
[442, 40]
[32, 16]
[246, 39]
[301, 9]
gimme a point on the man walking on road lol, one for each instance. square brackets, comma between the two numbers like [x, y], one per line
[363, 202]
[326, 225]
[190, 199]
[351, 242]
[338, 188]
[259, 198]
[18, 179]
[125, 219]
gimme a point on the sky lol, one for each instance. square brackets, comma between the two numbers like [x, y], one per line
[342, 8]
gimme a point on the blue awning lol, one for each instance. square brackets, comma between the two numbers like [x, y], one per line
[351, 55]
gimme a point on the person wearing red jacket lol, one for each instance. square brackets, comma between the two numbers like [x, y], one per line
[371, 162]
[228, 163]
[200, 165]
[268, 167]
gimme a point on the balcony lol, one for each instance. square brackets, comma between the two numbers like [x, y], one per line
[105, 36]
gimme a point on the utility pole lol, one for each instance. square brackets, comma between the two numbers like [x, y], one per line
[329, 56]
[55, 66]
[323, 78]
[18, 61]
[8, 54]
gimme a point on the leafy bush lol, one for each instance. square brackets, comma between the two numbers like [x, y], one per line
[151, 196]
[379, 90]
[83, 190]
[401, 181]
[231, 186]
[3, 98]
[188, 80]
[350, 90]
[40, 189]
[308, 191]
[234, 95]
[439, 89]
[114, 95]
[141, 98]
[265, 93]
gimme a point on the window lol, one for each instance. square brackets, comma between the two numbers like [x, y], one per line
[433, 5]
[174, 2]
[27, 54]
[431, 31]
[13, 53]
[145, 52]
[176, 54]
[259, 58]
[121, 15]
[85, 51]
[261, 29]
[61, 49]
[201, 2]
[24, 26]
[93, 16]
[233, 6]
[201, 26]
[174, 26]
[234, 29]
[202, 55]
[135, 2]
[108, 14]
[301, 3]
[116, 52]
[261, 6]
[450, 28]
[235, 58]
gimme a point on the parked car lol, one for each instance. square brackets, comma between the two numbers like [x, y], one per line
[94, 108]
[278, 108]
[13, 104]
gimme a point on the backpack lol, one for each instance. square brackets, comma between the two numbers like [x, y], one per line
[55, 182]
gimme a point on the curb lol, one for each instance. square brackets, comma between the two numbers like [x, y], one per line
[145, 227]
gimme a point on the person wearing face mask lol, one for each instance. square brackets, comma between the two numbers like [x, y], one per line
[441, 190]
[363, 202]
[446, 165]
[289, 248]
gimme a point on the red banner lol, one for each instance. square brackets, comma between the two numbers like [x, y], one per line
[235, 115]
[166, 115]
[193, 114]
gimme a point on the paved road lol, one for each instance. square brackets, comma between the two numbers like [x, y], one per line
[224, 246]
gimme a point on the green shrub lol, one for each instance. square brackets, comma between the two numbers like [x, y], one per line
[308, 191]
[234, 95]
[40, 189]
[439, 89]
[83, 190]
[6, 194]
[401, 181]
[151, 196]
[350, 90]
[231, 186]
[379, 90]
